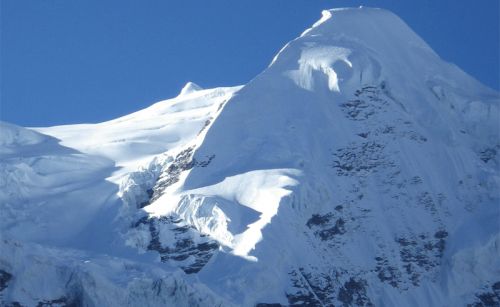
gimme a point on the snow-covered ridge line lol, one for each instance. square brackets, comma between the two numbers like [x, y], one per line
[135, 139]
[42, 177]
[358, 169]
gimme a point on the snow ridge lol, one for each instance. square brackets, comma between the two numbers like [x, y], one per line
[359, 169]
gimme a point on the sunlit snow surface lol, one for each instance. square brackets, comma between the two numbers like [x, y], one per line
[358, 168]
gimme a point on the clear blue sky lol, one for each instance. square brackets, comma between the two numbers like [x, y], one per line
[73, 61]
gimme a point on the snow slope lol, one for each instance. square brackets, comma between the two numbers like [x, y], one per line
[358, 169]
[134, 139]
[61, 190]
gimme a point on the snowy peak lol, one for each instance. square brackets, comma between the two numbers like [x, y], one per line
[190, 88]
[359, 169]
[353, 130]
[354, 45]
[349, 46]
[369, 25]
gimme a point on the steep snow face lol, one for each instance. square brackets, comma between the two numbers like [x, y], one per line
[66, 188]
[313, 74]
[366, 156]
[75, 170]
[358, 169]
[234, 211]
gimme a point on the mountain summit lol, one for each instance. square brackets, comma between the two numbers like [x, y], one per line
[189, 88]
[358, 169]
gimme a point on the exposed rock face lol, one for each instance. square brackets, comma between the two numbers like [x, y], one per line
[327, 289]
[177, 242]
[170, 173]
[183, 246]
[487, 297]
[5, 277]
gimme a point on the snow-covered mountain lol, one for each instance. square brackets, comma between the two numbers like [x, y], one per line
[358, 169]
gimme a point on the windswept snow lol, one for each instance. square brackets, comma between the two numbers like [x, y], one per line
[321, 59]
[14, 137]
[358, 169]
[134, 139]
[59, 187]
[215, 210]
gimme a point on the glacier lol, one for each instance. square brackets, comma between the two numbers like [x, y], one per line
[358, 169]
